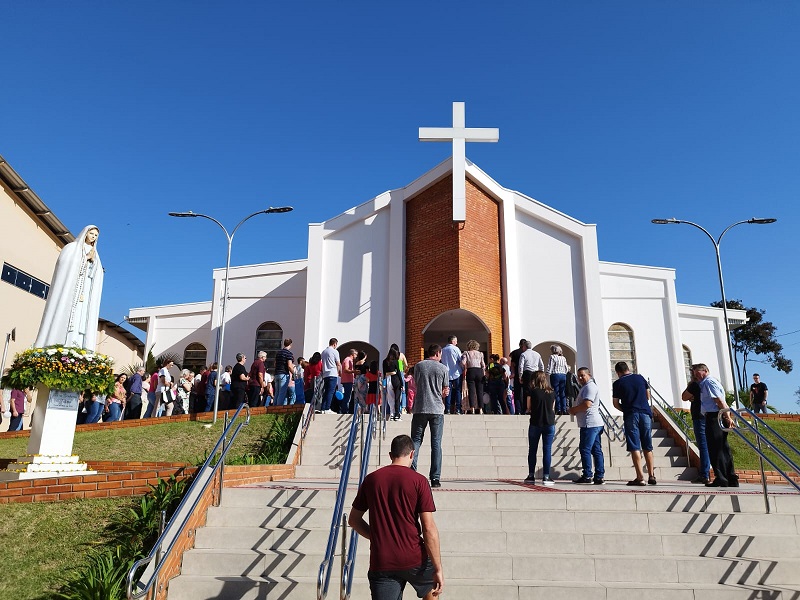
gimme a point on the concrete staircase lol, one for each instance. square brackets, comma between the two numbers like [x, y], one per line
[509, 540]
[490, 447]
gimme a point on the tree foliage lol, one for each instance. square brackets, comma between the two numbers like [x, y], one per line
[755, 338]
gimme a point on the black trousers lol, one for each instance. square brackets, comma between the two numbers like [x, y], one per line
[719, 452]
[133, 409]
[519, 400]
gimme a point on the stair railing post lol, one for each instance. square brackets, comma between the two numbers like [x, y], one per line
[222, 466]
[162, 523]
[761, 465]
[344, 544]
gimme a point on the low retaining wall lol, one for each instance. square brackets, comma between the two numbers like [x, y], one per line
[112, 480]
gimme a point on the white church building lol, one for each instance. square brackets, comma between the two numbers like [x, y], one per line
[453, 252]
[398, 269]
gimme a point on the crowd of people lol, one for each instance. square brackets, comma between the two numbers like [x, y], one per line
[460, 383]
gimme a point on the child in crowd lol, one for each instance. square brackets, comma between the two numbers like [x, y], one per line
[373, 376]
[411, 389]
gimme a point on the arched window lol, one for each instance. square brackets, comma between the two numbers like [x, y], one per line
[687, 363]
[194, 357]
[269, 338]
[621, 347]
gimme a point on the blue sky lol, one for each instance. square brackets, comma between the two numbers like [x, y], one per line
[613, 112]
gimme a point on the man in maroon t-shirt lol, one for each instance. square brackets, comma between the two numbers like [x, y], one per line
[404, 540]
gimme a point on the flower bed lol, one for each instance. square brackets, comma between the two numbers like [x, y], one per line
[61, 368]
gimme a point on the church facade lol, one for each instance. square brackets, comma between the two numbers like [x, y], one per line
[399, 269]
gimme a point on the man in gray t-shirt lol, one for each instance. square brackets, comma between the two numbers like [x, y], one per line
[433, 380]
[587, 412]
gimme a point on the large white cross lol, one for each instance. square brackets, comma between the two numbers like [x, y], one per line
[459, 134]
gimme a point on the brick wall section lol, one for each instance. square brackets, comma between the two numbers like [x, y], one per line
[431, 262]
[480, 287]
[132, 480]
[159, 420]
[450, 265]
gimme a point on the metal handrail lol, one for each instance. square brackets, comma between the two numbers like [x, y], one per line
[616, 431]
[348, 564]
[762, 423]
[325, 567]
[761, 438]
[305, 422]
[173, 530]
[675, 417]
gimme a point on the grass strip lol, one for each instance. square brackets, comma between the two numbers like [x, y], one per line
[186, 441]
[45, 544]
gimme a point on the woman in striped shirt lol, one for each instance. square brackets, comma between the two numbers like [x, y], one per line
[557, 369]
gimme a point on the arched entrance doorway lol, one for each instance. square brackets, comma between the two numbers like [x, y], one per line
[461, 323]
[543, 348]
[365, 347]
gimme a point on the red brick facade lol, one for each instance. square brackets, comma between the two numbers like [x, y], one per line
[452, 265]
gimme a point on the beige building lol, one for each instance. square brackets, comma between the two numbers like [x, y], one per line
[30, 244]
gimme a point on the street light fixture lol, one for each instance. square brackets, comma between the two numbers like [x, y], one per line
[221, 337]
[716, 242]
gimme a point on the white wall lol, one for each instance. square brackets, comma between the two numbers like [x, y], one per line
[643, 299]
[550, 283]
[173, 327]
[349, 276]
[702, 330]
[258, 293]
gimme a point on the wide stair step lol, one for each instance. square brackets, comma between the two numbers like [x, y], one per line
[501, 539]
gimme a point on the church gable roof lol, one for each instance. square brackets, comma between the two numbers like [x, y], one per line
[477, 175]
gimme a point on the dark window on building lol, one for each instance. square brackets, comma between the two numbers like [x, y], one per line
[194, 357]
[269, 338]
[621, 347]
[24, 281]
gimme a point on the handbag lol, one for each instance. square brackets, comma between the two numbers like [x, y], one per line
[167, 397]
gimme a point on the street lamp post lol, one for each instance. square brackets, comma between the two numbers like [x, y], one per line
[221, 339]
[716, 243]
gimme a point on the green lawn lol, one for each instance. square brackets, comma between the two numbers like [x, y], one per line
[186, 441]
[44, 544]
[745, 458]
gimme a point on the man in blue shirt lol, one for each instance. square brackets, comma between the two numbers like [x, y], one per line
[712, 400]
[451, 358]
[133, 407]
[631, 395]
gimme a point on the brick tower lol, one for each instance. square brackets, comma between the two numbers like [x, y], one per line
[452, 265]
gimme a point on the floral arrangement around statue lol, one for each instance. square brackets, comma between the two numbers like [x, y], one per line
[61, 368]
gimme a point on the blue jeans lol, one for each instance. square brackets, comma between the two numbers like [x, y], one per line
[558, 381]
[699, 426]
[546, 434]
[330, 390]
[345, 405]
[299, 392]
[418, 424]
[452, 403]
[281, 387]
[638, 432]
[151, 403]
[590, 446]
[389, 585]
[115, 411]
[95, 412]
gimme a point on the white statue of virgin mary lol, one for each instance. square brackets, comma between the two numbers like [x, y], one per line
[73, 304]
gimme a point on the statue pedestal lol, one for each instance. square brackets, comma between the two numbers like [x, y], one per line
[52, 434]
